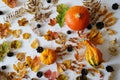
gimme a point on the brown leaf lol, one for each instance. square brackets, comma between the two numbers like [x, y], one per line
[21, 56]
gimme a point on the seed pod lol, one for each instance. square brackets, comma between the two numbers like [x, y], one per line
[92, 54]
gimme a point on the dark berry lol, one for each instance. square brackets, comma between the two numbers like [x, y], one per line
[39, 74]
[89, 26]
[48, 1]
[10, 54]
[38, 25]
[115, 6]
[69, 32]
[84, 72]
[99, 25]
[109, 69]
[40, 49]
[3, 67]
[69, 48]
[1, 13]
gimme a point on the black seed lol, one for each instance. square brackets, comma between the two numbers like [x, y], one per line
[10, 54]
[89, 26]
[115, 6]
[69, 32]
[99, 25]
[48, 1]
[84, 72]
[3, 67]
[1, 13]
[38, 25]
[69, 48]
[40, 49]
[39, 74]
[109, 69]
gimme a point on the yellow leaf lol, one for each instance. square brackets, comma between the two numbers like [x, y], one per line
[35, 64]
[59, 68]
[67, 63]
[35, 44]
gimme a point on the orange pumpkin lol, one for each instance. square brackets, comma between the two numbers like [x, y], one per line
[77, 18]
[48, 56]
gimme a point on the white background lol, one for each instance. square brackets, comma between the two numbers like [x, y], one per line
[114, 61]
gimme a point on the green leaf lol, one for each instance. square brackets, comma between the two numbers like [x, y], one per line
[61, 9]
[4, 49]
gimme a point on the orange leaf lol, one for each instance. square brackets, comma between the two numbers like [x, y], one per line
[78, 57]
[52, 22]
[10, 3]
[35, 64]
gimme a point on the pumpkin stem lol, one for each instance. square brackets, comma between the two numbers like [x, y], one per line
[78, 15]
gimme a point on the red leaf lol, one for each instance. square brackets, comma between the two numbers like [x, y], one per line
[48, 73]
[54, 75]
[52, 22]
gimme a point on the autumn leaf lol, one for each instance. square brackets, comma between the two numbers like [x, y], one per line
[35, 64]
[52, 22]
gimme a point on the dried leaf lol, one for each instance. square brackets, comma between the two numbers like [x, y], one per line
[113, 50]
[26, 35]
[113, 42]
[108, 16]
[35, 44]
[33, 6]
[111, 32]
[16, 44]
[95, 37]
[48, 73]
[35, 64]
[110, 22]
[16, 33]
[61, 38]
[78, 57]
[23, 22]
[54, 75]
[10, 3]
[52, 22]
[67, 63]
[29, 61]
[59, 68]
[15, 68]
[21, 56]
[62, 77]
[50, 35]
[51, 75]
[4, 30]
